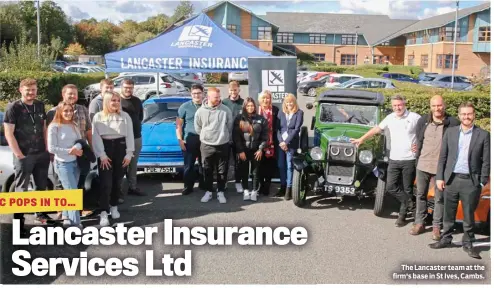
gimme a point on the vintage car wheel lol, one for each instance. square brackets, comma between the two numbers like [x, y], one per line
[299, 188]
[379, 197]
[304, 139]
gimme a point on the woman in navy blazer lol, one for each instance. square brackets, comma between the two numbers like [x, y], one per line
[290, 120]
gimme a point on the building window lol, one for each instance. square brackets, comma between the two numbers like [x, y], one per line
[319, 56]
[485, 34]
[232, 28]
[425, 37]
[385, 43]
[317, 38]
[412, 38]
[348, 39]
[411, 59]
[264, 33]
[447, 33]
[381, 59]
[445, 61]
[424, 60]
[284, 38]
[347, 59]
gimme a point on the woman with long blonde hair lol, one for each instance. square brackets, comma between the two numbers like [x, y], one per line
[268, 166]
[113, 145]
[291, 119]
[62, 137]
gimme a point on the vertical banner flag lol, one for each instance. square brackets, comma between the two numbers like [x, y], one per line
[276, 74]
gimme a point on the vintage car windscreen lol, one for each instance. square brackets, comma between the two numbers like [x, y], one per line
[347, 113]
[161, 112]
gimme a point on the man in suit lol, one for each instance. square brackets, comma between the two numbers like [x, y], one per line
[463, 169]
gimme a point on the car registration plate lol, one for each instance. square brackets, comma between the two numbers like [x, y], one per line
[342, 189]
[160, 170]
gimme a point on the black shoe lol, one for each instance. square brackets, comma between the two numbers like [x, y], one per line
[266, 188]
[439, 245]
[281, 192]
[186, 191]
[136, 192]
[471, 252]
[288, 193]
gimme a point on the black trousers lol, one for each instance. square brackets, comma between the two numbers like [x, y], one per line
[236, 163]
[254, 169]
[460, 188]
[215, 158]
[399, 182]
[111, 179]
[267, 171]
[35, 165]
[191, 153]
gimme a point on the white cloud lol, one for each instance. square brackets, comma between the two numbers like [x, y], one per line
[430, 12]
[365, 6]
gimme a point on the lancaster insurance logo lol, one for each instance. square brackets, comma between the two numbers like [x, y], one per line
[274, 81]
[194, 36]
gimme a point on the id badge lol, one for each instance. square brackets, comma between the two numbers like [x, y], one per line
[285, 135]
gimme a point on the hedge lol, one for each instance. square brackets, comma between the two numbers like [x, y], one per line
[49, 84]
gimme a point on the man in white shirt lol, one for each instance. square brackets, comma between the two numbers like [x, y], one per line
[401, 126]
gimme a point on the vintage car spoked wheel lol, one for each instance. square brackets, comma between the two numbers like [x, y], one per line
[312, 92]
[379, 197]
[299, 188]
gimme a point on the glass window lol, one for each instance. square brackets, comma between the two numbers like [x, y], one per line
[232, 28]
[424, 60]
[319, 56]
[264, 33]
[345, 113]
[284, 37]
[446, 61]
[485, 34]
[347, 59]
[161, 112]
[317, 38]
[348, 39]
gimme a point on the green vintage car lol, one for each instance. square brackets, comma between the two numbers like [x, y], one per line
[333, 166]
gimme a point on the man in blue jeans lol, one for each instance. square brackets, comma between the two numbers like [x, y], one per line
[189, 139]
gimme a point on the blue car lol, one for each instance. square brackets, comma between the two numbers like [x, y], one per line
[161, 152]
[400, 77]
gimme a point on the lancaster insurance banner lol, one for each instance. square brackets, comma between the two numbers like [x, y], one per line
[276, 74]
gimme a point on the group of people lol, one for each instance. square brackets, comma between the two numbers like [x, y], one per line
[72, 137]
[436, 145]
[259, 138]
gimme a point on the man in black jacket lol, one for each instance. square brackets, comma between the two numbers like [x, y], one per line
[462, 171]
[430, 131]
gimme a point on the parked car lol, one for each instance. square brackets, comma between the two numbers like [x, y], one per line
[309, 87]
[144, 85]
[423, 75]
[161, 152]
[366, 83]
[335, 167]
[400, 77]
[335, 79]
[238, 76]
[83, 69]
[444, 81]
[313, 75]
[192, 77]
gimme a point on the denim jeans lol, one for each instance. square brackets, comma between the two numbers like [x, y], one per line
[286, 166]
[68, 173]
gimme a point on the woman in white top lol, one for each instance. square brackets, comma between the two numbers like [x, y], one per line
[113, 146]
[62, 135]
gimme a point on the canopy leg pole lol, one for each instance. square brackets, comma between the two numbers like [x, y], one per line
[157, 83]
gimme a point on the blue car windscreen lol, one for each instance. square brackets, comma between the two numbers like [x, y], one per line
[160, 112]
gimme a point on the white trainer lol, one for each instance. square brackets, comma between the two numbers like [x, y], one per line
[246, 195]
[207, 196]
[239, 188]
[114, 212]
[221, 197]
[104, 219]
[253, 196]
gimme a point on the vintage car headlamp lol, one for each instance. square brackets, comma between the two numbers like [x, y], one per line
[316, 153]
[365, 156]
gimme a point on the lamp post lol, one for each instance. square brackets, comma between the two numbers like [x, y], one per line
[356, 41]
[454, 47]
[37, 24]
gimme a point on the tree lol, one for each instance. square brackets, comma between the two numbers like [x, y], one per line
[184, 9]
[54, 23]
[156, 24]
[143, 36]
[75, 49]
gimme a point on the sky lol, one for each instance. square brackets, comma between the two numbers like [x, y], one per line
[120, 10]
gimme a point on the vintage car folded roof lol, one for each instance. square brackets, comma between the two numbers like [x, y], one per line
[351, 96]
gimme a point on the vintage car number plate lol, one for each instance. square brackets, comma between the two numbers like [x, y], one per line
[342, 189]
[160, 170]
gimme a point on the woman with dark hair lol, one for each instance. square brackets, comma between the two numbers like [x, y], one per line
[250, 135]
[268, 165]
[291, 120]
[62, 137]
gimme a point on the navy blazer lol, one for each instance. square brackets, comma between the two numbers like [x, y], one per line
[293, 128]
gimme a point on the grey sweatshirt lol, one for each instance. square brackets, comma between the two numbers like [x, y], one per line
[61, 139]
[95, 106]
[113, 127]
[214, 125]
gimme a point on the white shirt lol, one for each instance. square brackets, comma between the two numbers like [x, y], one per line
[402, 134]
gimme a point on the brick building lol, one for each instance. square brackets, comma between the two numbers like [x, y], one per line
[350, 39]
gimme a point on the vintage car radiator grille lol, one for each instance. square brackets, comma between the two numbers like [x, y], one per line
[341, 163]
[161, 154]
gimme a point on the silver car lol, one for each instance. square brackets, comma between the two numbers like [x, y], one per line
[365, 83]
[444, 81]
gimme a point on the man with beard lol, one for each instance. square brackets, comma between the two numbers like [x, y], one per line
[462, 171]
[189, 139]
[430, 130]
[235, 103]
[25, 131]
[213, 123]
[81, 119]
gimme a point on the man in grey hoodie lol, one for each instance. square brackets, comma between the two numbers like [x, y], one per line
[214, 123]
[96, 105]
